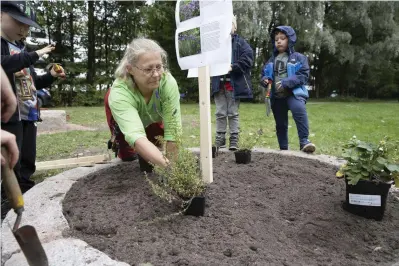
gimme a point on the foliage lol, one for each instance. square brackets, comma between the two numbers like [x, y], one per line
[351, 48]
[248, 140]
[180, 180]
[369, 161]
[182, 177]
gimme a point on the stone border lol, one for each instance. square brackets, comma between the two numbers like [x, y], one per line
[43, 210]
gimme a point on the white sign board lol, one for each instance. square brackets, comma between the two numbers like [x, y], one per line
[203, 34]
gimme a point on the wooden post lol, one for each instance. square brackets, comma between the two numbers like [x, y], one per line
[205, 124]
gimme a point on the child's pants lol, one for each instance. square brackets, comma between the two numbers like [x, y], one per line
[25, 134]
[280, 109]
[226, 107]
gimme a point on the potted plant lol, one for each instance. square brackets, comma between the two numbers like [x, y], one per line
[369, 173]
[215, 150]
[181, 181]
[246, 143]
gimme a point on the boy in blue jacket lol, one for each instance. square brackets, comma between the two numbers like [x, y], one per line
[288, 72]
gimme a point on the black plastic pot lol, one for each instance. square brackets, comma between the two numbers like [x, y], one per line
[195, 207]
[214, 152]
[243, 156]
[145, 166]
[367, 199]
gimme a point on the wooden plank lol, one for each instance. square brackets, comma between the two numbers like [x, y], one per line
[73, 162]
[205, 124]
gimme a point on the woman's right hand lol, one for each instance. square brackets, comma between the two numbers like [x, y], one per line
[150, 152]
[45, 50]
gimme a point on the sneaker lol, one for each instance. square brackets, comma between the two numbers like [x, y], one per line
[308, 147]
[220, 141]
[233, 142]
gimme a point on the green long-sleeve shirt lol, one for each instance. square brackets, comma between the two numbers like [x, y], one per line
[132, 114]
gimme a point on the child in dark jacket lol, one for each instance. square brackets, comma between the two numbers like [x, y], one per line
[228, 89]
[16, 18]
[288, 72]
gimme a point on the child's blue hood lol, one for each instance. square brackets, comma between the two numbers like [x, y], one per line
[287, 30]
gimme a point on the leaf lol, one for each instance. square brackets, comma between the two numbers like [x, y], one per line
[356, 170]
[354, 179]
[393, 168]
[365, 174]
[381, 160]
[364, 145]
[339, 174]
[376, 168]
[354, 157]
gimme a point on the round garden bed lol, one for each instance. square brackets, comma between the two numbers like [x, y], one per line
[277, 210]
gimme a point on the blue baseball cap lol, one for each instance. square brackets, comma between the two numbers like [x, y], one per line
[20, 11]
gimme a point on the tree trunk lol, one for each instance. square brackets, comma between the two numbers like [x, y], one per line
[71, 49]
[91, 45]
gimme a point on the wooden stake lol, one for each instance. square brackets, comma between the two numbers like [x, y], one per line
[205, 124]
[73, 162]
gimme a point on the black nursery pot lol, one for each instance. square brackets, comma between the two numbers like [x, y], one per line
[243, 157]
[196, 207]
[367, 199]
[145, 166]
[214, 153]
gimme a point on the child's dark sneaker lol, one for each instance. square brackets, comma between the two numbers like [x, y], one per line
[220, 140]
[308, 147]
[233, 142]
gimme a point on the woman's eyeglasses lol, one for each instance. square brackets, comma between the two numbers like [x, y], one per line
[150, 71]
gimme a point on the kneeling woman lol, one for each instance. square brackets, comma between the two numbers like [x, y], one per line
[144, 102]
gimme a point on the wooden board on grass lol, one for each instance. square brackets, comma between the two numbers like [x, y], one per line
[73, 162]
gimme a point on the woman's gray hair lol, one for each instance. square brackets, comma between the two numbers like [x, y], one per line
[136, 48]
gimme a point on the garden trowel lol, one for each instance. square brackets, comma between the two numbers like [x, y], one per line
[267, 99]
[26, 236]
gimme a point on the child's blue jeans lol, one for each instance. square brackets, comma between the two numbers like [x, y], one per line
[280, 109]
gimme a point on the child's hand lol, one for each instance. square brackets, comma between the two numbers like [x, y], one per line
[58, 71]
[19, 74]
[45, 50]
[267, 81]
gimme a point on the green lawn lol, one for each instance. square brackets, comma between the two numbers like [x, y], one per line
[331, 124]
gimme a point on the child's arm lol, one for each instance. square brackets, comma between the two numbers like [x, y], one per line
[301, 75]
[17, 62]
[43, 81]
[267, 73]
[47, 79]
[246, 59]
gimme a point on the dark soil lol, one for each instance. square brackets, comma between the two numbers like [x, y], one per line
[274, 211]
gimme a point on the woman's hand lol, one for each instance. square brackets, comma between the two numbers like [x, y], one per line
[150, 152]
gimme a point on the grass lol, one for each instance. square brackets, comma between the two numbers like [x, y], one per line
[331, 125]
